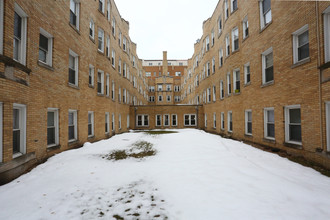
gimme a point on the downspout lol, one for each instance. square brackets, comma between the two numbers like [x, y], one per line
[320, 71]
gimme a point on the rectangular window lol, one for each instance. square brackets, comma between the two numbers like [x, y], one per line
[174, 120]
[190, 120]
[208, 91]
[107, 123]
[107, 47]
[233, 5]
[214, 120]
[119, 121]
[113, 58]
[45, 47]
[247, 74]
[142, 120]
[267, 66]
[160, 88]
[73, 68]
[91, 28]
[91, 75]
[20, 32]
[101, 6]
[293, 124]
[269, 123]
[326, 24]
[113, 26]
[219, 24]
[300, 44]
[248, 122]
[107, 85]
[222, 118]
[228, 84]
[226, 10]
[127, 121]
[208, 69]
[158, 120]
[207, 43]
[176, 98]
[205, 120]
[100, 82]
[214, 93]
[119, 38]
[1, 41]
[119, 66]
[166, 120]
[237, 81]
[234, 38]
[168, 87]
[124, 43]
[72, 124]
[212, 37]
[19, 130]
[213, 65]
[1, 123]
[90, 124]
[101, 40]
[52, 127]
[227, 45]
[230, 121]
[113, 123]
[160, 98]
[119, 94]
[108, 10]
[124, 95]
[168, 98]
[265, 13]
[327, 109]
[113, 90]
[151, 98]
[220, 57]
[74, 13]
[222, 91]
[245, 27]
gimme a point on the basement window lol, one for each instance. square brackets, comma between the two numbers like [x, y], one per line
[293, 124]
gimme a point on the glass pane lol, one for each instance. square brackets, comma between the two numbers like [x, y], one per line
[71, 62]
[43, 42]
[50, 136]
[73, 18]
[269, 74]
[268, 17]
[270, 130]
[17, 26]
[72, 76]
[249, 127]
[269, 60]
[303, 52]
[89, 118]
[16, 119]
[16, 141]
[266, 5]
[249, 116]
[295, 115]
[16, 49]
[303, 39]
[42, 55]
[89, 129]
[73, 6]
[50, 119]
[71, 118]
[295, 133]
[270, 116]
[71, 132]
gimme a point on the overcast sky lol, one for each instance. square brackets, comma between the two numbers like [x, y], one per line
[171, 25]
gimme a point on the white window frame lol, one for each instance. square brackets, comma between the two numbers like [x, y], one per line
[142, 120]
[91, 72]
[108, 10]
[168, 98]
[119, 121]
[246, 73]
[327, 109]
[127, 121]
[265, 123]
[160, 120]
[113, 90]
[113, 123]
[227, 41]
[264, 54]
[100, 38]
[113, 26]
[176, 120]
[295, 43]
[107, 123]
[92, 27]
[75, 124]
[222, 120]
[230, 119]
[233, 38]
[107, 46]
[226, 9]
[287, 123]
[107, 92]
[56, 125]
[213, 65]
[220, 57]
[214, 93]
[49, 54]
[214, 120]
[124, 96]
[77, 5]
[205, 120]
[222, 95]
[23, 42]
[160, 98]
[326, 23]
[190, 117]
[22, 125]
[247, 121]
[119, 94]
[76, 61]
[219, 24]
[1, 125]
[232, 5]
[235, 80]
[208, 95]
[229, 87]
[113, 58]
[102, 10]
[207, 43]
[262, 18]
[245, 27]
[1, 34]
[101, 72]
[168, 120]
[92, 123]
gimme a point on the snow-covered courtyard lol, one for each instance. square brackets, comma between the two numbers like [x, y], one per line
[192, 175]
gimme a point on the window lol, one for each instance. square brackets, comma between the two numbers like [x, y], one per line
[151, 88]
[168, 98]
[91, 28]
[265, 13]
[220, 57]
[107, 123]
[45, 47]
[207, 43]
[119, 121]
[222, 91]
[148, 74]
[1, 125]
[214, 120]
[222, 117]
[113, 26]
[226, 9]
[237, 82]
[73, 68]
[74, 13]
[245, 28]
[234, 38]
[100, 82]
[248, 122]
[119, 94]
[113, 58]
[52, 127]
[119, 66]
[213, 65]
[127, 121]
[205, 120]
[91, 75]
[19, 130]
[227, 45]
[166, 120]
[158, 120]
[113, 123]
[113, 90]
[124, 95]
[133, 62]
[212, 37]
[247, 74]
[142, 120]
[208, 95]
[160, 88]
[176, 98]
[230, 121]
[20, 31]
[176, 88]
[90, 124]
[214, 93]
[174, 120]
[228, 84]
[107, 85]
[267, 66]
[220, 24]
[101, 40]
[1, 44]
[326, 23]
[190, 120]
[208, 69]
[293, 124]
[72, 124]
[168, 87]
[327, 108]
[177, 73]
[160, 98]
[119, 38]
[108, 10]
[269, 123]
[107, 47]
[101, 6]
[124, 43]
[300, 44]
[233, 5]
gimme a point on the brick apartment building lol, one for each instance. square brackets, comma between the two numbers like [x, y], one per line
[69, 73]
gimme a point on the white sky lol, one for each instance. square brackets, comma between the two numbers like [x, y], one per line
[171, 25]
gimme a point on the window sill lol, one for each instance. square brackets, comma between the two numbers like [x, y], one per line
[92, 39]
[73, 86]
[295, 145]
[91, 137]
[267, 84]
[325, 66]
[221, 99]
[265, 27]
[247, 84]
[74, 28]
[100, 51]
[235, 51]
[228, 95]
[113, 67]
[237, 93]
[101, 12]
[53, 147]
[230, 132]
[100, 95]
[231, 13]
[244, 39]
[301, 62]
[11, 62]
[16, 155]
[269, 140]
[219, 34]
[248, 135]
[44, 65]
[91, 86]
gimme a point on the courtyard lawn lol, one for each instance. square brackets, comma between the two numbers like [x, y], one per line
[181, 176]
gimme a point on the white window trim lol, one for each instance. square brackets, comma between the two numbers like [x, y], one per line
[142, 118]
[295, 42]
[49, 57]
[245, 73]
[75, 122]
[113, 56]
[246, 121]
[108, 10]
[1, 32]
[233, 39]
[169, 120]
[102, 6]
[327, 108]
[205, 120]
[222, 89]
[23, 119]
[228, 121]
[220, 56]
[286, 119]
[92, 122]
[214, 93]
[113, 90]
[214, 120]
[262, 19]
[56, 123]
[77, 2]
[107, 47]
[265, 123]
[113, 123]
[245, 20]
[235, 79]
[229, 83]
[102, 81]
[92, 74]
[100, 30]
[326, 19]
[222, 120]
[127, 121]
[190, 120]
[264, 54]
[226, 8]
[227, 43]
[22, 55]
[76, 57]
[107, 92]
[176, 120]
[107, 115]
[119, 121]
[91, 22]
[1, 129]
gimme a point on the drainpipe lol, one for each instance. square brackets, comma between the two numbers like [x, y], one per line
[320, 71]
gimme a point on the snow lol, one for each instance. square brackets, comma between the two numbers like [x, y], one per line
[194, 175]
